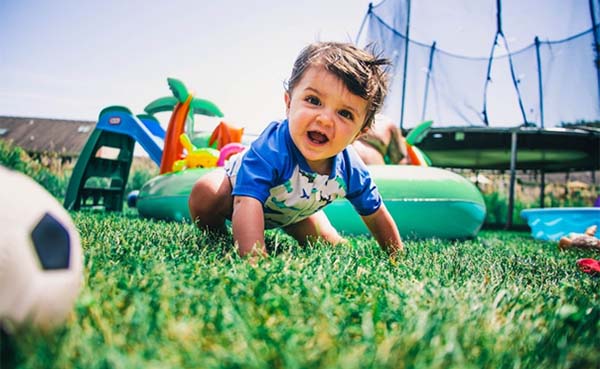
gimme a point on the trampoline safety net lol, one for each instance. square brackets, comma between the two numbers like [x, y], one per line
[497, 63]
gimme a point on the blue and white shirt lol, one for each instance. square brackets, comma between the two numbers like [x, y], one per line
[274, 172]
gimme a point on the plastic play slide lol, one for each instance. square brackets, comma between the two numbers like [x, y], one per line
[145, 129]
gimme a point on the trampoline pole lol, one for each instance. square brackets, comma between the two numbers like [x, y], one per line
[540, 90]
[542, 187]
[427, 79]
[596, 41]
[511, 189]
[404, 73]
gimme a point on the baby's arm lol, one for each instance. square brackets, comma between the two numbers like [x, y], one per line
[383, 228]
[248, 225]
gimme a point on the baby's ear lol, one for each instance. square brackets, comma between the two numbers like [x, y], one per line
[363, 131]
[287, 99]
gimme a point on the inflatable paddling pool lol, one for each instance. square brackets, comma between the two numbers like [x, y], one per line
[425, 202]
[550, 224]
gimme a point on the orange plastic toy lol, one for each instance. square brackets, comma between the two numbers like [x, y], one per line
[173, 148]
[225, 133]
[416, 156]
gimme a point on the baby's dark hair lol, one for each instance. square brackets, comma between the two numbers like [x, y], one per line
[362, 72]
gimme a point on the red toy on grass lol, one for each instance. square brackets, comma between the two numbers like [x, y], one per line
[590, 266]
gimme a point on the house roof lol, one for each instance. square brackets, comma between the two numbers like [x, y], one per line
[40, 135]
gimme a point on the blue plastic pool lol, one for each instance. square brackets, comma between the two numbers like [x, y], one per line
[551, 224]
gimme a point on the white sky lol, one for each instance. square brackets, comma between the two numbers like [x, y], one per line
[69, 59]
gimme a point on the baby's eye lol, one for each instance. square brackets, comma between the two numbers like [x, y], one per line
[346, 114]
[313, 100]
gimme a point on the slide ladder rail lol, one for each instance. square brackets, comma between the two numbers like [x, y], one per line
[100, 175]
[101, 172]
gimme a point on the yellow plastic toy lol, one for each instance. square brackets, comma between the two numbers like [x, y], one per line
[204, 157]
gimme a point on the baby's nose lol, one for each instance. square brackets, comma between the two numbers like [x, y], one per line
[326, 117]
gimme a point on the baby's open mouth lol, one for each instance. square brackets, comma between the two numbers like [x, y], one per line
[317, 137]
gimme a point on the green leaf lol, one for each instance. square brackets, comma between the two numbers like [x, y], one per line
[418, 133]
[166, 103]
[205, 107]
[178, 88]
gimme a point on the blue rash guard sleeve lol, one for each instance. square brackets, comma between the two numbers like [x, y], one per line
[261, 167]
[362, 191]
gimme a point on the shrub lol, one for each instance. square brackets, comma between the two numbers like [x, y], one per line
[137, 178]
[557, 194]
[142, 170]
[54, 181]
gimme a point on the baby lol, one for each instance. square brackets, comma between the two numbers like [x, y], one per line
[301, 164]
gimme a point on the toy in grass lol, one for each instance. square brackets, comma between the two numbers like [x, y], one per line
[590, 266]
[41, 262]
[586, 240]
[132, 198]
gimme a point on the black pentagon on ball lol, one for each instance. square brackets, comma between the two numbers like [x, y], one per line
[52, 243]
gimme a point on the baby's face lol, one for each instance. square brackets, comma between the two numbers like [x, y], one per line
[324, 117]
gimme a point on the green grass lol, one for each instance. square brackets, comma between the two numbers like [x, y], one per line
[165, 295]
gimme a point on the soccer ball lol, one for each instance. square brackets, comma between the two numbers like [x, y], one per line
[41, 266]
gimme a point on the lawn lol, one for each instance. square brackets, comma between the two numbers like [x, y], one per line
[165, 295]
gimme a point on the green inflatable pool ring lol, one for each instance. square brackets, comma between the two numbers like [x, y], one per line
[425, 202]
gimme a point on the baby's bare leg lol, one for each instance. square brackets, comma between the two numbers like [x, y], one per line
[211, 202]
[314, 227]
[368, 154]
[397, 146]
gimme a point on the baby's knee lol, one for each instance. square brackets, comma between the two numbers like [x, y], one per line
[200, 192]
[196, 205]
[210, 201]
[316, 227]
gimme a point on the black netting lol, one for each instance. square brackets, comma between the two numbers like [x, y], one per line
[449, 47]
